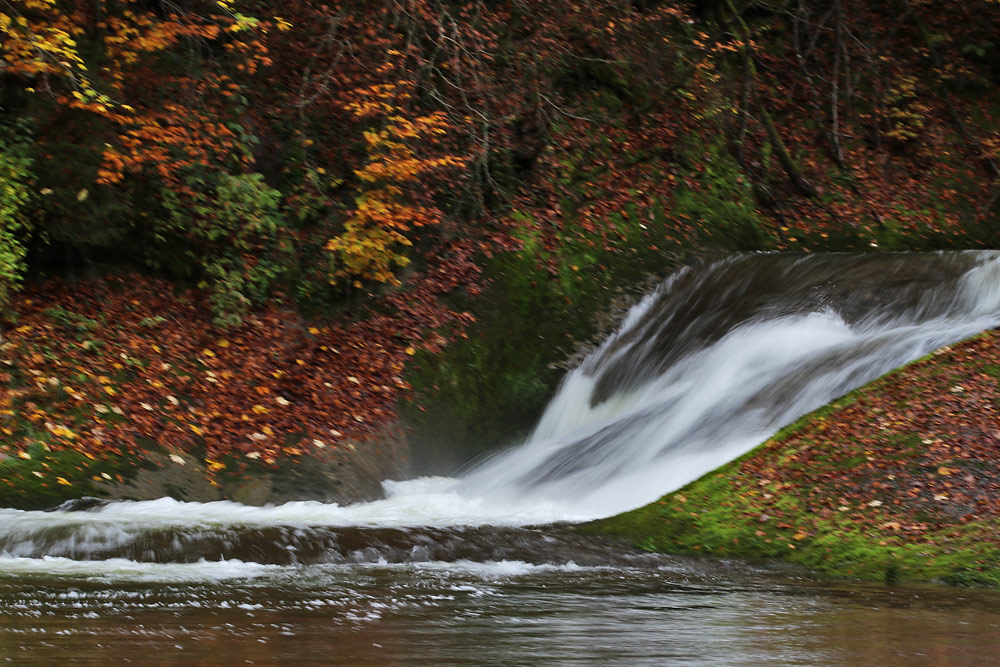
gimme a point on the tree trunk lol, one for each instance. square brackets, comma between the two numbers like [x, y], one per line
[787, 161]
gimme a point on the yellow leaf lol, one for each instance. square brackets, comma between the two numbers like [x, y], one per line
[259, 409]
[411, 350]
[214, 465]
[223, 343]
[196, 430]
[59, 430]
[63, 481]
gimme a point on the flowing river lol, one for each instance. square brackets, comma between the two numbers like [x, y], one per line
[484, 568]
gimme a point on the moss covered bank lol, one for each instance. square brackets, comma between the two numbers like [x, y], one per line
[897, 481]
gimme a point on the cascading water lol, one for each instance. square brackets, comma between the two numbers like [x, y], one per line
[720, 357]
[711, 363]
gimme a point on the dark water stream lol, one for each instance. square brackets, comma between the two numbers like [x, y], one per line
[458, 572]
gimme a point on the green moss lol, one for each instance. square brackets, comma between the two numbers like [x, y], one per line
[722, 206]
[707, 518]
[48, 478]
[488, 389]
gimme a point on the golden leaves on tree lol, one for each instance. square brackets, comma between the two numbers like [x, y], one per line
[392, 200]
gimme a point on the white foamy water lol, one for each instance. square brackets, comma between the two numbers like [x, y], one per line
[123, 570]
[704, 369]
[427, 501]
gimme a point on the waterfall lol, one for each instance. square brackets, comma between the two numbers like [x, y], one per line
[710, 364]
[721, 356]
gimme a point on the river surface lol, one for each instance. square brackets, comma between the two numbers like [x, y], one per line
[484, 568]
[667, 612]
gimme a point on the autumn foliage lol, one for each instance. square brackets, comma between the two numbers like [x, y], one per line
[122, 363]
[392, 201]
[358, 161]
